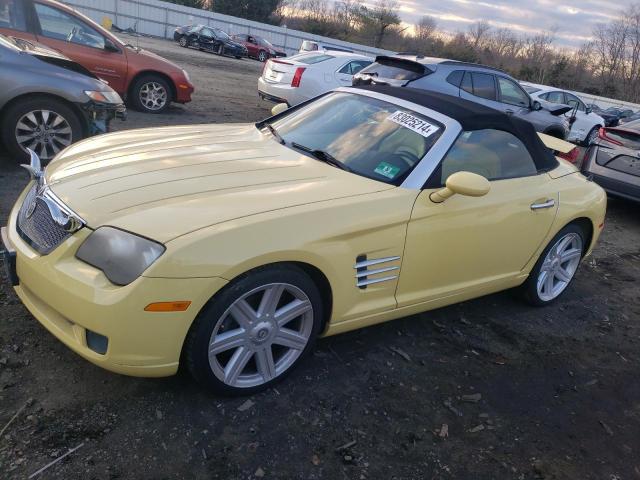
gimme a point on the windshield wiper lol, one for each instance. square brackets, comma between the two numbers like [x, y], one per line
[275, 133]
[323, 156]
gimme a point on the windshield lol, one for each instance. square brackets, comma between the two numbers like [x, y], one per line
[367, 136]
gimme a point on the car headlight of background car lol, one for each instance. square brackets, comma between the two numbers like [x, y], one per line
[104, 97]
[122, 256]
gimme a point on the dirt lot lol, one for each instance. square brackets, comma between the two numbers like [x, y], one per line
[555, 392]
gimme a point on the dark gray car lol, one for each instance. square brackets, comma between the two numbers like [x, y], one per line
[613, 160]
[478, 83]
[47, 101]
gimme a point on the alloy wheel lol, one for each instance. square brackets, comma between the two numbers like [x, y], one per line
[261, 335]
[182, 42]
[592, 136]
[262, 56]
[153, 96]
[559, 266]
[45, 132]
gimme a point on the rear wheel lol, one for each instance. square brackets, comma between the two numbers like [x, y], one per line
[220, 49]
[262, 56]
[255, 331]
[183, 42]
[151, 94]
[590, 138]
[556, 267]
[44, 125]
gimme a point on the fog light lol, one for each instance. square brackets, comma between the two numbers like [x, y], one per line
[96, 342]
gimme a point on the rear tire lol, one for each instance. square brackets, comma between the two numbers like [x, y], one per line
[183, 42]
[60, 126]
[256, 345]
[556, 267]
[589, 139]
[262, 56]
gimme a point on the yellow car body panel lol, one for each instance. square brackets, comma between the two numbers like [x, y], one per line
[227, 199]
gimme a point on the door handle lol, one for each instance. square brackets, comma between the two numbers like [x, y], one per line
[546, 204]
[509, 112]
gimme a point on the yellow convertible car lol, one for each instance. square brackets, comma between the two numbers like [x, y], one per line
[231, 248]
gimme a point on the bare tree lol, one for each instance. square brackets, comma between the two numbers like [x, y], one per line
[478, 33]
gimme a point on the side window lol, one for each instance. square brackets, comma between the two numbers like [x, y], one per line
[466, 84]
[572, 101]
[207, 32]
[483, 85]
[60, 25]
[494, 154]
[455, 78]
[555, 97]
[12, 15]
[511, 93]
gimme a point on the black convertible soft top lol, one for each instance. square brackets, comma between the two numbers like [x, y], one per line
[474, 116]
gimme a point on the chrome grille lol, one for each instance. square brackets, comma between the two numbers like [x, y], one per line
[39, 229]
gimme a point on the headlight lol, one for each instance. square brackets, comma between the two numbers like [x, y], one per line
[186, 75]
[122, 256]
[104, 97]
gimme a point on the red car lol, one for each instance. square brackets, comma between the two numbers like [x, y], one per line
[258, 47]
[147, 81]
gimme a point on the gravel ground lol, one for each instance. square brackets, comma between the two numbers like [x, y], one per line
[485, 389]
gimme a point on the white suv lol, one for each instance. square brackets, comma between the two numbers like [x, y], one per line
[585, 128]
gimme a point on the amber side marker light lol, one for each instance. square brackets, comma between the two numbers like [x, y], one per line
[180, 306]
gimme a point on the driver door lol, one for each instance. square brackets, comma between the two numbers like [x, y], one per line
[80, 41]
[470, 246]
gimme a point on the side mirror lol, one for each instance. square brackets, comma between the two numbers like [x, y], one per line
[536, 105]
[279, 108]
[588, 110]
[109, 46]
[462, 183]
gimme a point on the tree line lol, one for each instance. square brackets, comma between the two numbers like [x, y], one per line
[608, 65]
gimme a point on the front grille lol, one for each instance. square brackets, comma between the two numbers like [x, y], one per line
[39, 229]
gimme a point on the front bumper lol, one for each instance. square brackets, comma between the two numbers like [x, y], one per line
[99, 116]
[184, 90]
[70, 298]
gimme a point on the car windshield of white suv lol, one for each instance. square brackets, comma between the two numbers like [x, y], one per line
[363, 135]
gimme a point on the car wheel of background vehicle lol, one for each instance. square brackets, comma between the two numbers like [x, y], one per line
[556, 267]
[254, 331]
[220, 49]
[262, 56]
[593, 134]
[151, 94]
[183, 42]
[45, 125]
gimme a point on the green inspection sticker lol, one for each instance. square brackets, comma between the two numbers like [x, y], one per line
[387, 170]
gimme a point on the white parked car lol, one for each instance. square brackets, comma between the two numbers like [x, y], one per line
[313, 46]
[301, 77]
[585, 129]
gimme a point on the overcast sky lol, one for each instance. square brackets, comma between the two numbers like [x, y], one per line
[575, 19]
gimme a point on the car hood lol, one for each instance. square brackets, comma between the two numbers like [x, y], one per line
[163, 183]
[555, 109]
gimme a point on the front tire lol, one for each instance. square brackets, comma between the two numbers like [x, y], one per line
[556, 267]
[262, 56]
[151, 94]
[45, 125]
[255, 331]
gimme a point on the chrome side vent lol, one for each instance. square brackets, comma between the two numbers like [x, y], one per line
[365, 269]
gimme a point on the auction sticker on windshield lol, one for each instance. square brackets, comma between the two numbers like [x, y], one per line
[414, 123]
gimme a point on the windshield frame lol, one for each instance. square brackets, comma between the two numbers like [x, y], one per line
[421, 172]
